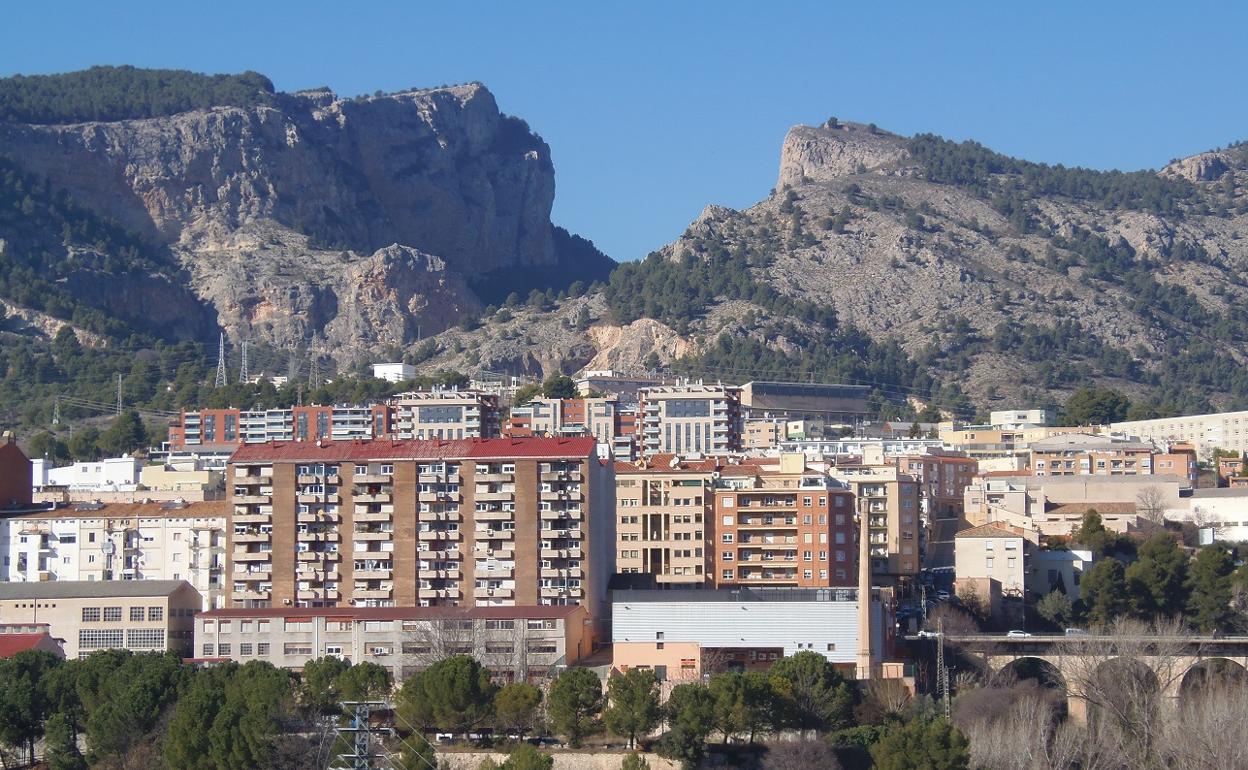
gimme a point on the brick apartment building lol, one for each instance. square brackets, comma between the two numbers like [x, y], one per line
[209, 429]
[690, 418]
[664, 508]
[420, 523]
[788, 526]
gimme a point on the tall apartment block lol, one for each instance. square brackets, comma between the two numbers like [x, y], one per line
[664, 508]
[785, 527]
[690, 418]
[388, 523]
[446, 414]
[889, 501]
[209, 429]
[597, 417]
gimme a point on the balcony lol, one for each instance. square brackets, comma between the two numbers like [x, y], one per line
[561, 476]
[317, 593]
[317, 537]
[492, 593]
[439, 574]
[437, 478]
[440, 516]
[493, 477]
[553, 593]
[252, 556]
[251, 499]
[555, 553]
[575, 572]
[485, 551]
[251, 577]
[493, 534]
[366, 535]
[438, 534]
[240, 596]
[371, 515]
[486, 497]
[438, 593]
[376, 497]
[562, 494]
[317, 556]
[372, 593]
[252, 537]
[308, 572]
[498, 573]
[317, 518]
[328, 497]
[372, 478]
[330, 480]
[494, 515]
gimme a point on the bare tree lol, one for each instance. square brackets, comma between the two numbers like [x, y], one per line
[1151, 504]
[1208, 732]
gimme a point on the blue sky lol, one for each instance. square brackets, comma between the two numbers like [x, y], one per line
[655, 109]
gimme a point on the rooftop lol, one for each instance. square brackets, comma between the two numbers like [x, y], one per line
[988, 530]
[534, 612]
[669, 463]
[416, 449]
[90, 589]
[157, 509]
[11, 644]
[642, 595]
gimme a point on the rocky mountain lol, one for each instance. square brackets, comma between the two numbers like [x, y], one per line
[293, 219]
[1008, 279]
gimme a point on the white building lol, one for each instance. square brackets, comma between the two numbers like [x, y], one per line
[112, 474]
[1220, 430]
[125, 541]
[397, 372]
[1221, 514]
[873, 448]
[1014, 419]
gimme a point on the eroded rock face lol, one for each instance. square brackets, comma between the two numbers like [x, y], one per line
[822, 154]
[1205, 167]
[352, 222]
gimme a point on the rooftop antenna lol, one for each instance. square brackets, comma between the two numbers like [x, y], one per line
[243, 374]
[221, 379]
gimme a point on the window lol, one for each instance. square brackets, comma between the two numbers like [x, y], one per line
[95, 639]
[112, 614]
[262, 648]
[90, 614]
[209, 651]
[224, 650]
[727, 537]
[806, 556]
[806, 574]
[727, 555]
[297, 648]
[989, 562]
[333, 649]
[245, 649]
[146, 639]
[136, 614]
[727, 574]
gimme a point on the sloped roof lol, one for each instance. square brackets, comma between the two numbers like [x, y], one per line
[90, 589]
[988, 530]
[11, 644]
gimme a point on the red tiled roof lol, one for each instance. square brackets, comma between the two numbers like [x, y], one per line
[535, 612]
[11, 644]
[662, 463]
[415, 449]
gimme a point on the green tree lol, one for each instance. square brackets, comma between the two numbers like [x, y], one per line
[84, 444]
[583, 319]
[744, 703]
[815, 695]
[632, 704]
[1056, 608]
[364, 681]
[1092, 532]
[187, 741]
[525, 757]
[1209, 584]
[525, 394]
[23, 699]
[1103, 591]
[1096, 406]
[318, 686]
[1156, 581]
[126, 434]
[418, 754]
[559, 386]
[575, 705]
[454, 695]
[45, 445]
[61, 744]
[690, 713]
[516, 708]
[634, 761]
[922, 744]
[241, 734]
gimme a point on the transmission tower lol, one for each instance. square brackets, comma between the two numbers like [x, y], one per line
[358, 734]
[942, 671]
[221, 378]
[243, 374]
[119, 393]
[314, 373]
[56, 411]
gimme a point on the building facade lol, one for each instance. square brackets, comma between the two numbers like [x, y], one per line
[890, 501]
[664, 508]
[514, 643]
[783, 527]
[119, 542]
[597, 417]
[16, 475]
[1205, 432]
[828, 403]
[446, 414]
[138, 615]
[421, 523]
[690, 418]
[217, 429]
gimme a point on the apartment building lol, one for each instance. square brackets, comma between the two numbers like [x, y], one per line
[828, 403]
[525, 643]
[783, 525]
[996, 441]
[664, 507]
[15, 474]
[626, 386]
[857, 446]
[597, 417]
[420, 523]
[992, 563]
[1054, 505]
[1205, 432]
[138, 615]
[1085, 455]
[943, 478]
[761, 434]
[890, 501]
[690, 418]
[394, 372]
[214, 429]
[119, 542]
[446, 414]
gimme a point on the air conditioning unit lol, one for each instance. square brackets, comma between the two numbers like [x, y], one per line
[490, 592]
[377, 651]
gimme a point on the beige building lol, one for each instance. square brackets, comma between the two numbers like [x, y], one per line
[597, 417]
[690, 418]
[1054, 505]
[664, 506]
[1205, 432]
[446, 414]
[763, 433]
[890, 501]
[482, 522]
[991, 563]
[119, 542]
[167, 478]
[514, 643]
[138, 615]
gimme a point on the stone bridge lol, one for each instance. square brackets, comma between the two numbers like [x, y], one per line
[1172, 665]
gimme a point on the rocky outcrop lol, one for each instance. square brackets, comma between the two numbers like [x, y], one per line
[1205, 167]
[351, 223]
[822, 154]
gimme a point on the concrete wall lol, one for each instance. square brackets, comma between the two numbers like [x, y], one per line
[581, 760]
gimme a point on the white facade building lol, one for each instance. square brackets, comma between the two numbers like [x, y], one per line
[112, 474]
[397, 372]
[1206, 432]
[125, 541]
[1221, 514]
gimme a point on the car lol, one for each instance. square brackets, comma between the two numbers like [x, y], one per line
[1076, 632]
[925, 634]
[1016, 634]
[943, 595]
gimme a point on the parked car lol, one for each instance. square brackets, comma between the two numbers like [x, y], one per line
[943, 595]
[927, 635]
[1016, 634]
[1076, 632]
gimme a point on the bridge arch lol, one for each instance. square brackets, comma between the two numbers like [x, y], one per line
[1036, 668]
[1212, 672]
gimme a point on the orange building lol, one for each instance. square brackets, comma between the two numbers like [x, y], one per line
[789, 526]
